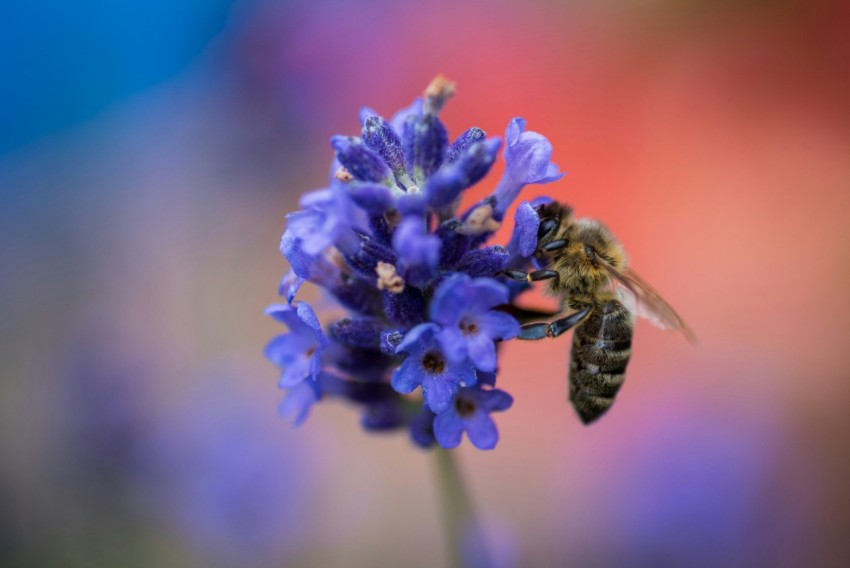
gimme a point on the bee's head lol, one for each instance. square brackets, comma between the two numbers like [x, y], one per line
[591, 245]
[595, 244]
[554, 219]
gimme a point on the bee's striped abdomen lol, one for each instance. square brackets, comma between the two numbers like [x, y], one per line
[601, 350]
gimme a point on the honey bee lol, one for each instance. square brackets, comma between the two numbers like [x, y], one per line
[586, 266]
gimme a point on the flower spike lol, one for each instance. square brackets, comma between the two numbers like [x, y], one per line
[426, 298]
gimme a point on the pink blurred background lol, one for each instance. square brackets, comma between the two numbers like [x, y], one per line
[140, 245]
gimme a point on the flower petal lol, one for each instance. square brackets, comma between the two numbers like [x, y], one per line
[298, 402]
[279, 350]
[295, 372]
[453, 344]
[527, 160]
[552, 174]
[300, 261]
[486, 293]
[315, 365]
[289, 285]
[418, 251]
[494, 400]
[308, 316]
[462, 373]
[422, 429]
[438, 392]
[512, 133]
[285, 314]
[418, 339]
[527, 223]
[452, 178]
[408, 376]
[450, 299]
[372, 197]
[499, 325]
[482, 431]
[482, 352]
[448, 429]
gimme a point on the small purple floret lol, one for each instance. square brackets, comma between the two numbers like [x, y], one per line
[427, 366]
[470, 413]
[299, 351]
[464, 308]
[527, 160]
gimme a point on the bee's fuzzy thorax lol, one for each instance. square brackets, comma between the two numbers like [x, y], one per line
[578, 264]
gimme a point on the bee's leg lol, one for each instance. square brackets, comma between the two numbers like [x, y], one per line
[554, 245]
[534, 331]
[558, 327]
[530, 276]
[540, 330]
[546, 228]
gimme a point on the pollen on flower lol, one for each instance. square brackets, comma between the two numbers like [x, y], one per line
[480, 221]
[433, 363]
[464, 406]
[343, 175]
[438, 92]
[388, 279]
[468, 327]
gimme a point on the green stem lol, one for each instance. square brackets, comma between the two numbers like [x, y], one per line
[457, 506]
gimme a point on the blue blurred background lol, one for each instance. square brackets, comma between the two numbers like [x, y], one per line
[150, 151]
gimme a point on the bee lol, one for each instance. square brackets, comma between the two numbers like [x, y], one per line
[586, 266]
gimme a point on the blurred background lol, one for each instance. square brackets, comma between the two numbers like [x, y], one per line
[149, 152]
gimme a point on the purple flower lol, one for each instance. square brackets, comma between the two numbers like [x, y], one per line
[298, 402]
[527, 160]
[463, 307]
[428, 367]
[425, 143]
[328, 217]
[467, 169]
[380, 137]
[362, 163]
[422, 429]
[470, 413]
[418, 251]
[526, 225]
[463, 142]
[419, 282]
[298, 352]
[289, 286]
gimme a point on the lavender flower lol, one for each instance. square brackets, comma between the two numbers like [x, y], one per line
[298, 352]
[428, 305]
[463, 307]
[429, 367]
[470, 413]
[527, 160]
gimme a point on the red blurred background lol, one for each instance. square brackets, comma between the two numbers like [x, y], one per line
[139, 248]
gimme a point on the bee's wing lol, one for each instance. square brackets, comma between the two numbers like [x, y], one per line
[648, 303]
